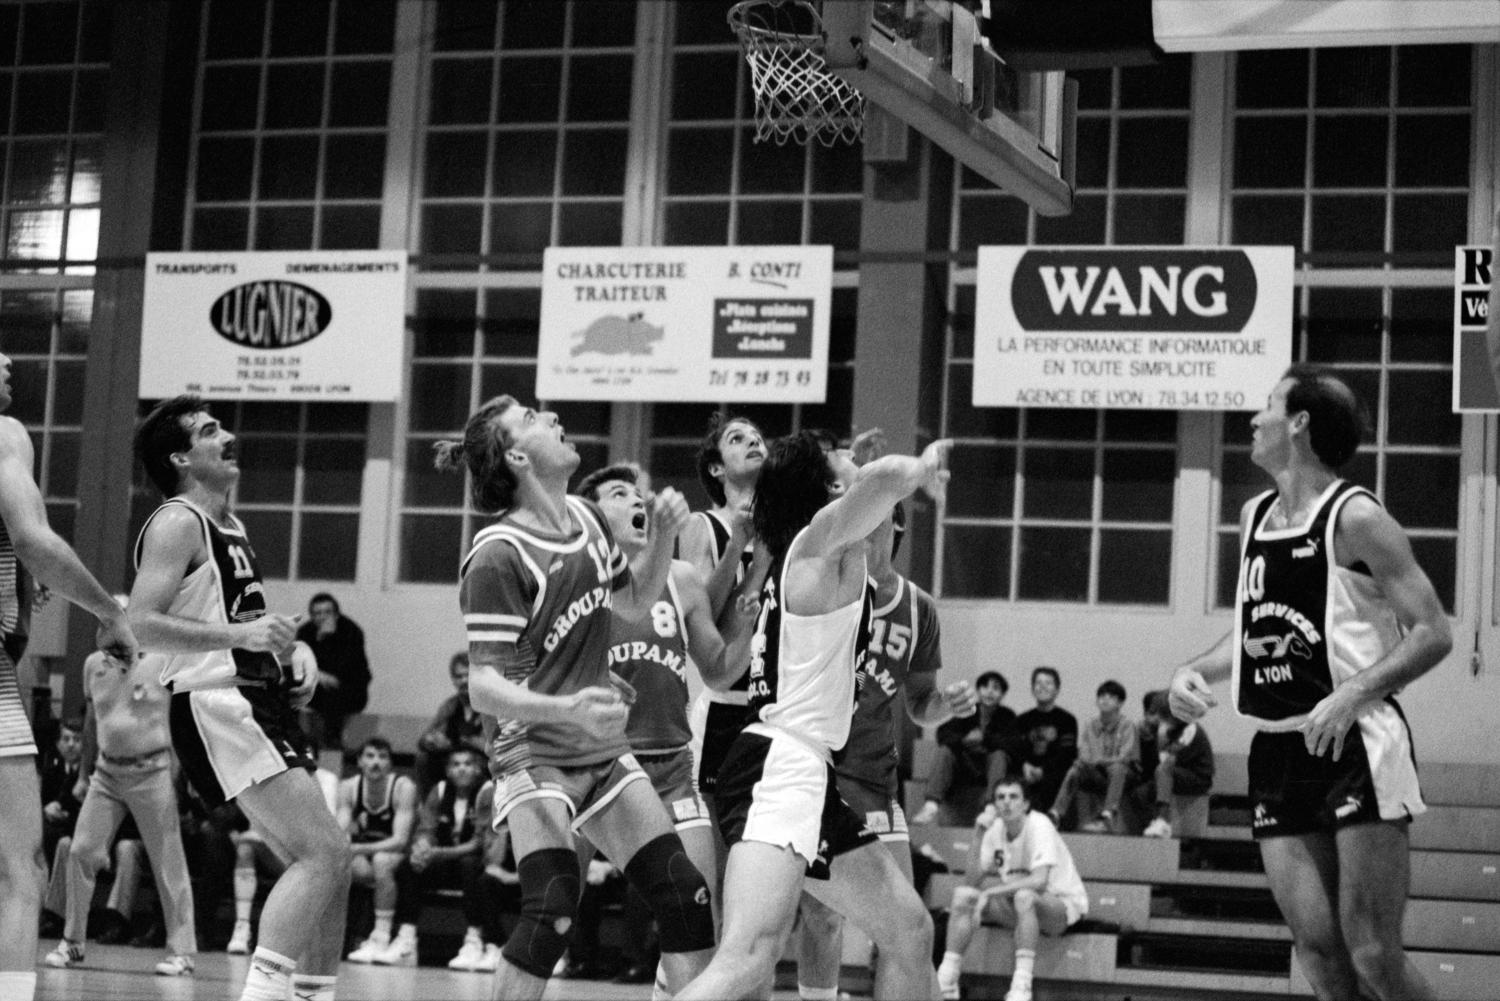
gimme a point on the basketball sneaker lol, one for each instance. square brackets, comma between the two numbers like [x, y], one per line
[469, 954]
[369, 948]
[66, 954]
[175, 966]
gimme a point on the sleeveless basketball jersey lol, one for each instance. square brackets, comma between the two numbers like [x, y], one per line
[903, 640]
[377, 823]
[10, 584]
[450, 829]
[540, 604]
[1303, 624]
[226, 588]
[721, 535]
[651, 654]
[802, 667]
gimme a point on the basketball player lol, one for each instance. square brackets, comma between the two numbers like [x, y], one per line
[379, 810]
[131, 774]
[29, 547]
[198, 598]
[1333, 617]
[651, 653]
[539, 587]
[902, 664]
[729, 461]
[780, 811]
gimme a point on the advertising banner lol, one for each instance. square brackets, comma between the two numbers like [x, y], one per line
[300, 325]
[685, 324]
[1144, 328]
[1475, 374]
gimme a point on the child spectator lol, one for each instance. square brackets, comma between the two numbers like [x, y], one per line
[457, 724]
[378, 809]
[1107, 752]
[447, 852]
[1025, 880]
[971, 749]
[1046, 741]
[1181, 763]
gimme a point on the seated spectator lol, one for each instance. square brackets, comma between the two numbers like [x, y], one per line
[379, 808]
[603, 885]
[501, 884]
[457, 724]
[343, 671]
[1025, 880]
[971, 749]
[61, 792]
[1046, 740]
[447, 853]
[1181, 763]
[1107, 751]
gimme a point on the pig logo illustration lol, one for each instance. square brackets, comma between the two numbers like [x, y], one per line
[618, 335]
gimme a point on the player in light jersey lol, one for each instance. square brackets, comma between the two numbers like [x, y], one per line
[198, 599]
[539, 587]
[780, 812]
[30, 548]
[1333, 617]
[901, 667]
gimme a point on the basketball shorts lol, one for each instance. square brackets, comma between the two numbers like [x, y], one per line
[1294, 792]
[723, 723]
[778, 791]
[883, 815]
[586, 790]
[15, 726]
[671, 775]
[228, 739]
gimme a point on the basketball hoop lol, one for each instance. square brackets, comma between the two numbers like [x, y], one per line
[795, 96]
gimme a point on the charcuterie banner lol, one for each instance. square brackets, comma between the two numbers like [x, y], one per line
[1140, 328]
[306, 326]
[689, 324]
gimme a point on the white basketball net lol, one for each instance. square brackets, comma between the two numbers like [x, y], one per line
[796, 98]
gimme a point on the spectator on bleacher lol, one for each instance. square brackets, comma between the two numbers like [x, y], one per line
[1107, 751]
[1046, 739]
[447, 853]
[971, 749]
[1176, 759]
[379, 808]
[343, 670]
[456, 724]
[501, 884]
[1025, 880]
[60, 806]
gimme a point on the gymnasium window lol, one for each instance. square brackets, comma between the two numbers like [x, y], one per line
[54, 60]
[523, 146]
[1375, 199]
[1070, 505]
[288, 153]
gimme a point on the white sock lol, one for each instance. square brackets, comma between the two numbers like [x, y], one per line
[472, 934]
[270, 976]
[306, 987]
[1025, 958]
[244, 892]
[659, 990]
[17, 985]
[383, 921]
[954, 960]
[817, 993]
[407, 931]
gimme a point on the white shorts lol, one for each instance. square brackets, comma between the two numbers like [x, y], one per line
[228, 739]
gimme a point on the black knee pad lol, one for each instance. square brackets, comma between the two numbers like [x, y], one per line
[663, 874]
[549, 903]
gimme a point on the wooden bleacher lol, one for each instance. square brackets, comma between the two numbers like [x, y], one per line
[1197, 915]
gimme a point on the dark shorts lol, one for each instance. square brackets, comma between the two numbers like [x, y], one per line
[671, 775]
[779, 792]
[1294, 792]
[877, 804]
[228, 739]
[723, 724]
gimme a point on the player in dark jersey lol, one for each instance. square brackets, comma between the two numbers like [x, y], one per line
[780, 810]
[901, 666]
[198, 599]
[651, 654]
[378, 808]
[540, 585]
[1333, 617]
[30, 548]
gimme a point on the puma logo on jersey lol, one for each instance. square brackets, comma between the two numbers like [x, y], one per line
[1302, 552]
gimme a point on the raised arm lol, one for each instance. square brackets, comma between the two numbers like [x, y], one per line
[43, 552]
[173, 547]
[877, 486]
[667, 512]
[1366, 533]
